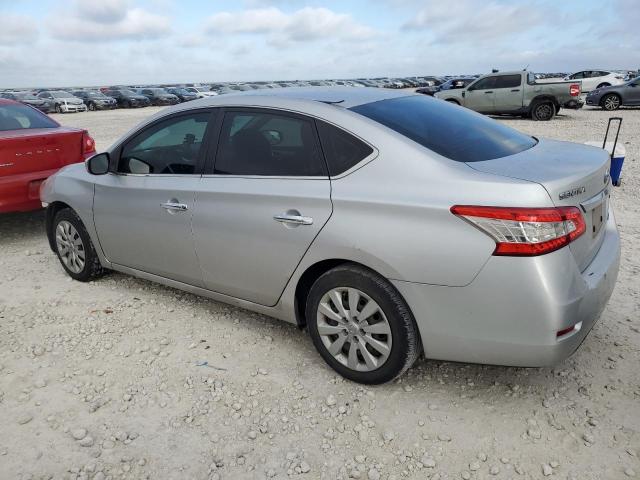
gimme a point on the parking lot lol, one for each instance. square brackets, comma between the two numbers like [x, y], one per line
[123, 378]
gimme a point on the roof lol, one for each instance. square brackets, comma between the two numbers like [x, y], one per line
[346, 97]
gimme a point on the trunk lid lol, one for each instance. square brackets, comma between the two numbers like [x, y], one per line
[33, 150]
[573, 175]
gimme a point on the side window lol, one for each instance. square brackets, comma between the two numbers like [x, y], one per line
[484, 84]
[261, 143]
[577, 76]
[169, 147]
[341, 149]
[508, 81]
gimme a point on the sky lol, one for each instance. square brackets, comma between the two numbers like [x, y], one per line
[105, 42]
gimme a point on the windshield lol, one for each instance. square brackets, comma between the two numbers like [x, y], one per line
[127, 92]
[61, 94]
[19, 117]
[449, 130]
[95, 95]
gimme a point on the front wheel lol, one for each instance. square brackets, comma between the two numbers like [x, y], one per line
[543, 111]
[92, 106]
[361, 326]
[58, 108]
[74, 247]
[610, 102]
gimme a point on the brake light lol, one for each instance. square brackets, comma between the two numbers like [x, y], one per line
[88, 144]
[574, 90]
[525, 232]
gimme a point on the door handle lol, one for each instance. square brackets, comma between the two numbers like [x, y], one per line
[490, 91]
[293, 219]
[515, 90]
[173, 206]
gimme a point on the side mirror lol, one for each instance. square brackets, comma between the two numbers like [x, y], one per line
[273, 136]
[98, 164]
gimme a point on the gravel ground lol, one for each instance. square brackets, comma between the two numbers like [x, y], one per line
[101, 381]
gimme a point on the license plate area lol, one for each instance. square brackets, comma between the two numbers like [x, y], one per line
[598, 218]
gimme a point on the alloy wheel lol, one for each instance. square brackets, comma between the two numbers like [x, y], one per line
[70, 246]
[611, 102]
[354, 329]
[544, 111]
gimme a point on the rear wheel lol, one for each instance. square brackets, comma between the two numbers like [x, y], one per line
[58, 108]
[361, 326]
[543, 110]
[74, 247]
[610, 102]
[92, 106]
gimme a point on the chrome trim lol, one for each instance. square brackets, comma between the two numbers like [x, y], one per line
[181, 207]
[594, 201]
[293, 219]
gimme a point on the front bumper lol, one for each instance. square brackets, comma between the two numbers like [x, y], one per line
[593, 101]
[511, 312]
[68, 107]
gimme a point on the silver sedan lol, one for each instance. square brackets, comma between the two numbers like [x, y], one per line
[388, 223]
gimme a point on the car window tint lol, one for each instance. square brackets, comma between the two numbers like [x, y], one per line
[341, 149]
[169, 147]
[508, 81]
[485, 83]
[19, 117]
[453, 132]
[261, 143]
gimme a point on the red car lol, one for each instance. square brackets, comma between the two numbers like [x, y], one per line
[33, 147]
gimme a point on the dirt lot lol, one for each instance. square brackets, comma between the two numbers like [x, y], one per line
[100, 380]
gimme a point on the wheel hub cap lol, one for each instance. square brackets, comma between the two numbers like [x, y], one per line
[70, 247]
[354, 329]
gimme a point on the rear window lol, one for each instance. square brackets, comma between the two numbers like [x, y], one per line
[19, 117]
[452, 131]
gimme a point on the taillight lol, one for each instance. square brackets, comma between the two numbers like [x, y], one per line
[574, 90]
[525, 232]
[88, 144]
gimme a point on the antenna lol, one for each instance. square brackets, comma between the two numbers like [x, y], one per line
[525, 68]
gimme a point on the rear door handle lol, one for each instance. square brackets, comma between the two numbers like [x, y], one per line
[293, 219]
[490, 91]
[173, 206]
[515, 90]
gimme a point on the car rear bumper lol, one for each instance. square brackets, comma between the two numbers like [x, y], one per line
[573, 104]
[21, 193]
[511, 313]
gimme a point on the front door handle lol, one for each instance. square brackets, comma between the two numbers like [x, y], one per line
[174, 206]
[489, 91]
[515, 90]
[293, 219]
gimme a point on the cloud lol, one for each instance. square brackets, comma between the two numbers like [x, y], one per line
[16, 29]
[110, 25]
[305, 24]
[474, 20]
[103, 11]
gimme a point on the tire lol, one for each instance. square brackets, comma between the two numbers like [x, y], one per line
[128, 104]
[610, 102]
[602, 85]
[58, 108]
[68, 229]
[92, 106]
[543, 110]
[389, 325]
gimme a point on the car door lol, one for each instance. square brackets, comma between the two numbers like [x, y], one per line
[508, 93]
[262, 204]
[143, 209]
[480, 96]
[631, 92]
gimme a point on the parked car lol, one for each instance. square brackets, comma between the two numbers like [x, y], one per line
[201, 92]
[33, 146]
[592, 79]
[508, 262]
[29, 99]
[183, 94]
[515, 93]
[612, 98]
[96, 100]
[63, 102]
[159, 96]
[451, 84]
[127, 98]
